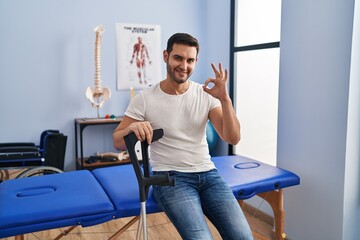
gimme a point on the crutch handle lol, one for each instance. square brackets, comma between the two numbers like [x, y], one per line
[163, 180]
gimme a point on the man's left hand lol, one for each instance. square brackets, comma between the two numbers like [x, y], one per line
[219, 88]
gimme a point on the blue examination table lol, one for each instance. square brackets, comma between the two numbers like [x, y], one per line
[88, 198]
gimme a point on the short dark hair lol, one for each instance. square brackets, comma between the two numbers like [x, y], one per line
[182, 38]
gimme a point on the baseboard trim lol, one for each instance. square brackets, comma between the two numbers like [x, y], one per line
[258, 213]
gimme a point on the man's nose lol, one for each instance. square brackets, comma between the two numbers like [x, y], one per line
[183, 64]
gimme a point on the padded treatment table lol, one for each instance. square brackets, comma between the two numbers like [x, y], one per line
[89, 198]
[52, 201]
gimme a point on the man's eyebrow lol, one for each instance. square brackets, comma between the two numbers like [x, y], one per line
[179, 56]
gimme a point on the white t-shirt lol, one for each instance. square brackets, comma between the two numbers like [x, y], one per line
[183, 118]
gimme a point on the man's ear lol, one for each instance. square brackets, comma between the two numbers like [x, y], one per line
[165, 56]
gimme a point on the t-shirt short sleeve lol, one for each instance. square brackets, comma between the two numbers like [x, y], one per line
[136, 108]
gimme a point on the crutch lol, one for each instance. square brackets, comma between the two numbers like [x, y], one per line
[143, 177]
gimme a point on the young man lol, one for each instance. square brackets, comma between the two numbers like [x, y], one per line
[182, 109]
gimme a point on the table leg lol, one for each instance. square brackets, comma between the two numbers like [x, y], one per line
[275, 199]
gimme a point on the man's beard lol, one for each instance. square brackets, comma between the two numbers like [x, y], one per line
[172, 75]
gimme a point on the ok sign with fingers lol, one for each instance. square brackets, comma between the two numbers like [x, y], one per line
[219, 89]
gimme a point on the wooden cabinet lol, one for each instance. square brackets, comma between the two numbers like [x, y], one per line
[80, 125]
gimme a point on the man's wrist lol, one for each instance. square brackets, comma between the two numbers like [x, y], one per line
[225, 100]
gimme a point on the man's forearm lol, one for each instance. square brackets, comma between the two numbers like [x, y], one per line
[118, 138]
[230, 123]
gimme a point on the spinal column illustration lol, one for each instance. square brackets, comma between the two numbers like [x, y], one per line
[97, 94]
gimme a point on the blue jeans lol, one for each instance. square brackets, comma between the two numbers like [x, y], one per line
[197, 194]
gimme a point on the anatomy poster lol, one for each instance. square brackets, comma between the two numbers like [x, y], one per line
[138, 48]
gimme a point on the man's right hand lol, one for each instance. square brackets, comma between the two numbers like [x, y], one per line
[142, 130]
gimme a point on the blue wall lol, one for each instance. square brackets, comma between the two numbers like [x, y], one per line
[47, 59]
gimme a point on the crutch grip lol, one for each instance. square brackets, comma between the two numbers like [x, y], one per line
[163, 180]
